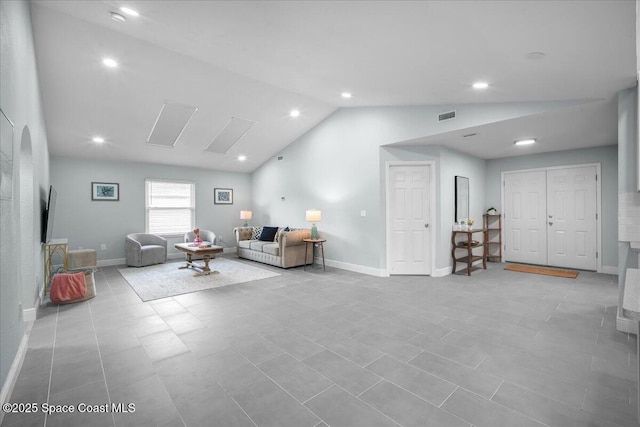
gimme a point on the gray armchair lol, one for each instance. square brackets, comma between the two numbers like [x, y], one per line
[205, 235]
[145, 249]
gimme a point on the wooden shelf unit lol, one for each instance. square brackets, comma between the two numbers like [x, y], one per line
[493, 237]
[468, 246]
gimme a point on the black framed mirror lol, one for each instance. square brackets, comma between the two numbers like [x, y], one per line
[462, 198]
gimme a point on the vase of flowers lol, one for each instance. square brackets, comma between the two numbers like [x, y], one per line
[197, 240]
[470, 224]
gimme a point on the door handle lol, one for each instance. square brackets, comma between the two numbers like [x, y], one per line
[426, 226]
[550, 222]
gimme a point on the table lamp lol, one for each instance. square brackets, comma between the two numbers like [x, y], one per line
[313, 216]
[246, 215]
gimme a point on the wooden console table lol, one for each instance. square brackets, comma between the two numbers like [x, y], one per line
[466, 244]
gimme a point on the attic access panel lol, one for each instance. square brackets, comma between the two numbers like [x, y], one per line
[171, 122]
[235, 129]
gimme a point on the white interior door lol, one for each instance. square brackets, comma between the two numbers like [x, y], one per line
[409, 219]
[571, 217]
[525, 212]
[551, 217]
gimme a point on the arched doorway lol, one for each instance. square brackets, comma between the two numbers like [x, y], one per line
[28, 225]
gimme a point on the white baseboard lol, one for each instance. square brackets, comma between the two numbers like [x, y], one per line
[31, 314]
[608, 269]
[441, 272]
[371, 271]
[627, 325]
[111, 262]
[378, 272]
[14, 371]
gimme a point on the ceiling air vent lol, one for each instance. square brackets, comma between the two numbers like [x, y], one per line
[447, 116]
[171, 122]
[230, 134]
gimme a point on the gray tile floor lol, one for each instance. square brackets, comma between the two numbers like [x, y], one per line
[338, 348]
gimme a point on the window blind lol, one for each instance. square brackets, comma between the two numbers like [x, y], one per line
[170, 207]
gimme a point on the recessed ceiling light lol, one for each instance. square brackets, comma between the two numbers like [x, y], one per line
[242, 158]
[346, 95]
[98, 139]
[129, 11]
[117, 17]
[480, 85]
[525, 141]
[294, 113]
[109, 62]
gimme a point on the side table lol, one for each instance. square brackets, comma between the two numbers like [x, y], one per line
[467, 246]
[315, 243]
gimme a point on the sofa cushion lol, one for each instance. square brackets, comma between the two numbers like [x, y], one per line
[268, 234]
[271, 248]
[279, 233]
[257, 245]
[255, 233]
[246, 244]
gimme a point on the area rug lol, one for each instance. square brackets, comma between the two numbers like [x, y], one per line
[166, 280]
[570, 274]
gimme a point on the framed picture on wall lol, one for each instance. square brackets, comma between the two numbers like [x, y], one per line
[223, 196]
[105, 191]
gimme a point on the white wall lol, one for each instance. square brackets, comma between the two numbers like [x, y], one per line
[20, 100]
[607, 156]
[88, 223]
[338, 167]
[628, 165]
[449, 163]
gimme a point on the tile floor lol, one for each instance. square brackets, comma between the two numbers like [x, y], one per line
[338, 348]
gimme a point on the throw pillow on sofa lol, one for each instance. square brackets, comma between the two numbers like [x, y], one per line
[268, 234]
[255, 233]
[280, 231]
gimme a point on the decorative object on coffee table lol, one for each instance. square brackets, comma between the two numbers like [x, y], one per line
[197, 240]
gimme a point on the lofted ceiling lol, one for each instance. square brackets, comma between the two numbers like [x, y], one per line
[258, 60]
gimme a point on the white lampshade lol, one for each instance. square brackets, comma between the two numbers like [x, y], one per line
[314, 215]
[245, 214]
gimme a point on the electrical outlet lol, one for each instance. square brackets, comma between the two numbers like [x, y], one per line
[363, 213]
[103, 247]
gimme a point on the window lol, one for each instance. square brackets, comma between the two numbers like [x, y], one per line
[170, 206]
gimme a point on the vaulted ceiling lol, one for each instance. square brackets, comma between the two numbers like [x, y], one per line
[258, 60]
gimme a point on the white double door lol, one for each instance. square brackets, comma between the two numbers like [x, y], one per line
[409, 227]
[550, 217]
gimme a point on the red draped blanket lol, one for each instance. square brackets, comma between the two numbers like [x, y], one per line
[68, 287]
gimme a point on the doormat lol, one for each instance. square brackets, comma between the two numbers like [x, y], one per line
[569, 274]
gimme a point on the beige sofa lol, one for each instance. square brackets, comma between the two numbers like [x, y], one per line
[287, 251]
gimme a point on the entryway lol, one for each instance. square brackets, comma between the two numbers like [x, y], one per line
[410, 205]
[551, 216]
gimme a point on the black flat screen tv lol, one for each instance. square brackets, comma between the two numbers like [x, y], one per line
[47, 215]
